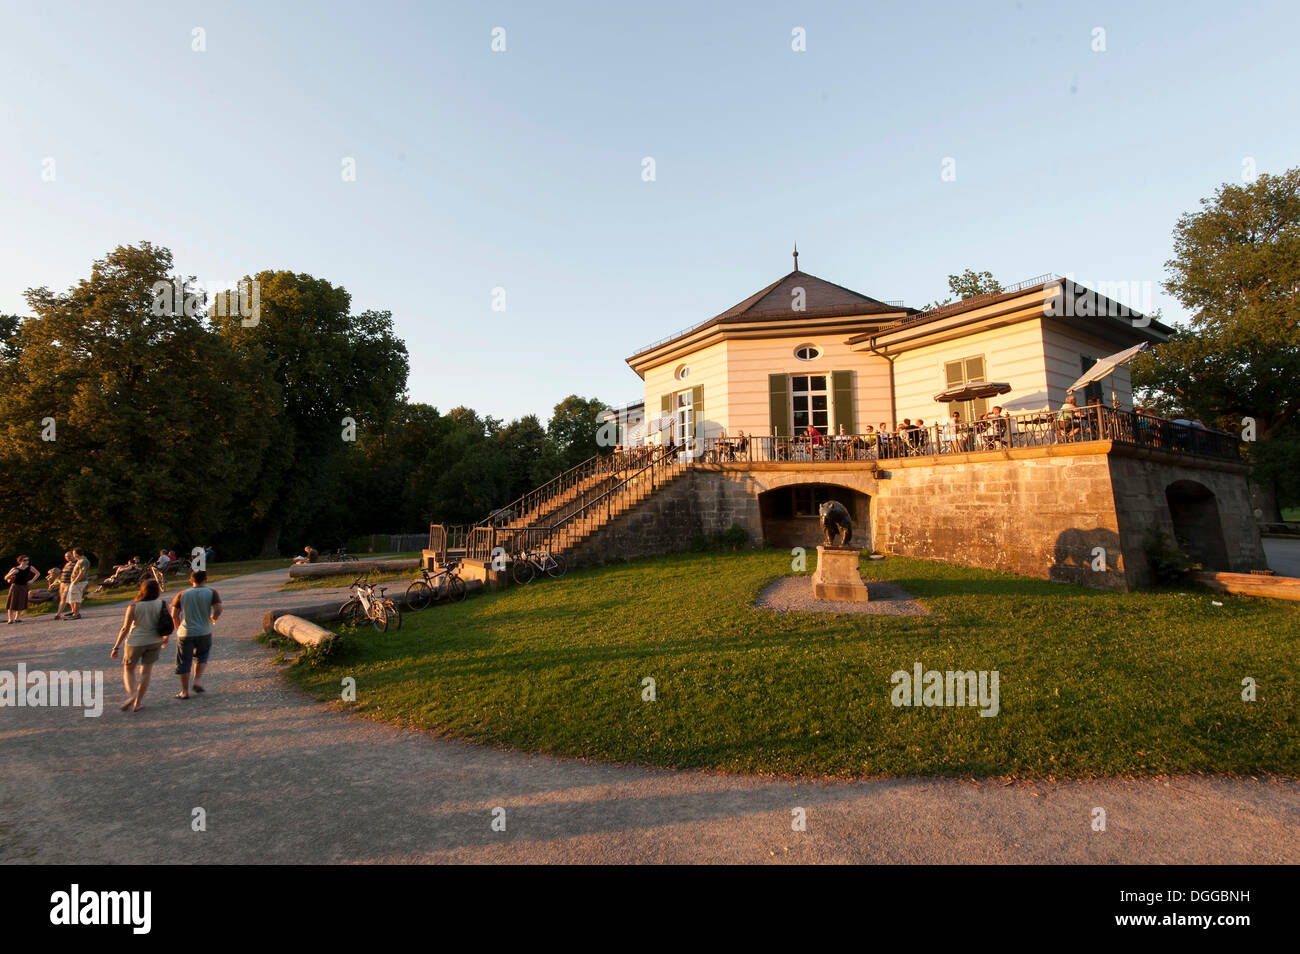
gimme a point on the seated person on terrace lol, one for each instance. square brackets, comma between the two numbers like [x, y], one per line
[885, 440]
[920, 438]
[815, 439]
[1067, 423]
[995, 433]
[954, 436]
[903, 437]
[742, 443]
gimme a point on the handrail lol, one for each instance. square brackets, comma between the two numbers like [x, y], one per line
[599, 465]
[483, 540]
[516, 504]
[1028, 429]
[1009, 431]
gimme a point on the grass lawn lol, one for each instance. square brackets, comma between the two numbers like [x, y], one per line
[1091, 683]
[1291, 513]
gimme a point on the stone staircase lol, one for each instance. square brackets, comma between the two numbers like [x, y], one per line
[568, 510]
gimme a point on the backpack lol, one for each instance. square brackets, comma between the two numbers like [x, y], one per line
[165, 623]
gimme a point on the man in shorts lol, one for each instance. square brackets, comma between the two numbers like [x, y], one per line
[77, 582]
[194, 611]
[64, 587]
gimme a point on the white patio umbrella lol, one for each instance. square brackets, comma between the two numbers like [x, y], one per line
[1106, 367]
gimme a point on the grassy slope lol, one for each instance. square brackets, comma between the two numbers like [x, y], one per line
[1092, 683]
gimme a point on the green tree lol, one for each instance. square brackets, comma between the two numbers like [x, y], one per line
[1236, 268]
[127, 420]
[573, 427]
[471, 485]
[967, 285]
[531, 455]
[327, 365]
[9, 338]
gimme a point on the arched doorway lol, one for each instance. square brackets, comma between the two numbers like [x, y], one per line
[1197, 527]
[790, 514]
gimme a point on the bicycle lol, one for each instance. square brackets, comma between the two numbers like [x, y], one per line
[338, 556]
[364, 605]
[435, 587]
[526, 564]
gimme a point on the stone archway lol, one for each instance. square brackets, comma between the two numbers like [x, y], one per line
[1198, 528]
[789, 513]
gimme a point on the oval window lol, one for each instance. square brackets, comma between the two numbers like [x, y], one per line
[683, 372]
[807, 352]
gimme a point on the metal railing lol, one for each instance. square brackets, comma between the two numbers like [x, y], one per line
[645, 470]
[1032, 429]
[975, 300]
[444, 537]
[568, 489]
[641, 471]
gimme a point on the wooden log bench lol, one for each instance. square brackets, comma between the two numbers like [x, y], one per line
[353, 568]
[301, 631]
[1251, 584]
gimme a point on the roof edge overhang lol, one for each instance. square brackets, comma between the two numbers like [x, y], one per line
[800, 324]
[1063, 302]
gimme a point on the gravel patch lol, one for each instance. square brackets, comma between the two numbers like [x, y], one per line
[793, 594]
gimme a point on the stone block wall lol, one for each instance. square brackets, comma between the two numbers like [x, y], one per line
[696, 504]
[1076, 513]
[1037, 515]
[1139, 478]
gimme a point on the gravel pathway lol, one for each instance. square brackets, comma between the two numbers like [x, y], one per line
[793, 594]
[282, 778]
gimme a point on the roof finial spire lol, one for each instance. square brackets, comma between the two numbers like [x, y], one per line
[796, 256]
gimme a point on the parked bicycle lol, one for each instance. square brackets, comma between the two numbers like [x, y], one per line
[446, 584]
[369, 603]
[526, 564]
[338, 556]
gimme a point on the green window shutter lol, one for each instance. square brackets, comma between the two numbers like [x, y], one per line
[842, 400]
[666, 405]
[778, 404]
[953, 374]
[697, 409]
[975, 372]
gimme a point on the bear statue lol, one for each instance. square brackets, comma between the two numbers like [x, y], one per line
[836, 523]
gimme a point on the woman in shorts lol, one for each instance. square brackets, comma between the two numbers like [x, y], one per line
[143, 642]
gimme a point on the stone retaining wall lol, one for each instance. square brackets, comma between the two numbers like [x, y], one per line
[1079, 513]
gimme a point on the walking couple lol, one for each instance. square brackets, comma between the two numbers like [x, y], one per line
[149, 624]
[72, 583]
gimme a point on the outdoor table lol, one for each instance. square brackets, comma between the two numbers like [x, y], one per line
[1039, 428]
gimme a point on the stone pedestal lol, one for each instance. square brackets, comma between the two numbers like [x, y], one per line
[837, 577]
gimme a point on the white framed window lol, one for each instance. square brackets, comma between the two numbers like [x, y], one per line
[684, 424]
[809, 402]
[807, 352]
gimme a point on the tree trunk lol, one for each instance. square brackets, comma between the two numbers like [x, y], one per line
[104, 549]
[271, 542]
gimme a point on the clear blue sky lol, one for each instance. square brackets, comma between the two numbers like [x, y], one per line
[522, 169]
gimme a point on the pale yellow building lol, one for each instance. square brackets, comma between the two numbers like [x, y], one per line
[806, 351]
